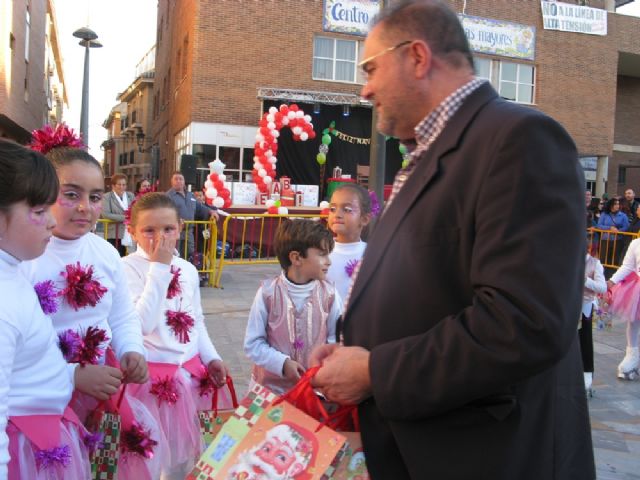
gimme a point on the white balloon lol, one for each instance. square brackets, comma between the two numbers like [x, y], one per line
[291, 115]
[267, 179]
[273, 160]
[324, 204]
[256, 159]
[273, 110]
[300, 114]
[304, 136]
[262, 172]
[257, 166]
[269, 203]
[296, 130]
[283, 210]
[270, 118]
[268, 153]
[218, 202]
[285, 119]
[307, 118]
[211, 193]
[276, 133]
[222, 177]
[208, 184]
[259, 138]
[271, 125]
[217, 166]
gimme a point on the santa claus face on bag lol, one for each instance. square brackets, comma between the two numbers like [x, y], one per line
[276, 458]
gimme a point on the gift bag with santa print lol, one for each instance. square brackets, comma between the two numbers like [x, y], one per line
[211, 421]
[269, 441]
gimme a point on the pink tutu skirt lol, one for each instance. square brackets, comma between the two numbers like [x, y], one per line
[625, 299]
[23, 465]
[178, 422]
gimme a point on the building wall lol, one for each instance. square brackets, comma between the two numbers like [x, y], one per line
[627, 135]
[241, 45]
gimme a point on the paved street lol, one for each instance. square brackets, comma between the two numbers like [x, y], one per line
[614, 407]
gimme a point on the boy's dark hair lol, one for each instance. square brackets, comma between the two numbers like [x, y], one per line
[151, 201]
[63, 156]
[298, 236]
[361, 192]
[25, 175]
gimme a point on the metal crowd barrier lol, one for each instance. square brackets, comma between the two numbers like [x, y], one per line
[610, 247]
[247, 238]
[204, 254]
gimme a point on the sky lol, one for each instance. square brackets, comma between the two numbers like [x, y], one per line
[127, 30]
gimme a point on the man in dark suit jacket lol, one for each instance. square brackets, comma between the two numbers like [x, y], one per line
[461, 347]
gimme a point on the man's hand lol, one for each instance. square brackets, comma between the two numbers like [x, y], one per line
[99, 381]
[134, 368]
[218, 372]
[292, 370]
[344, 376]
[214, 214]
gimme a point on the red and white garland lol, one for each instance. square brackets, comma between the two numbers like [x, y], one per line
[266, 146]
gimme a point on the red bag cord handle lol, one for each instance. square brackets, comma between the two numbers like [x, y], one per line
[232, 391]
[303, 397]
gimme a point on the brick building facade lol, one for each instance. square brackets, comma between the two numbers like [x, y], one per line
[32, 91]
[215, 58]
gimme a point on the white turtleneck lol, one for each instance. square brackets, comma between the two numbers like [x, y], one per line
[34, 377]
[148, 282]
[114, 312]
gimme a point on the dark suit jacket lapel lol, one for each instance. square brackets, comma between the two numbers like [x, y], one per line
[424, 172]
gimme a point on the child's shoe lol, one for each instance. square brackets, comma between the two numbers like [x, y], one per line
[628, 368]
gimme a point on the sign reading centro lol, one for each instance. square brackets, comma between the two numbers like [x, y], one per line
[349, 16]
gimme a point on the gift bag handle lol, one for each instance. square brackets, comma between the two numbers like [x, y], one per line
[302, 396]
[232, 392]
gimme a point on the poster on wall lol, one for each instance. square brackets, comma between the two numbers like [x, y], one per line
[349, 16]
[567, 17]
[496, 37]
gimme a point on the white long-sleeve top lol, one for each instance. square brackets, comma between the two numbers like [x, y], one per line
[594, 284]
[256, 346]
[114, 313]
[148, 282]
[342, 255]
[631, 262]
[34, 378]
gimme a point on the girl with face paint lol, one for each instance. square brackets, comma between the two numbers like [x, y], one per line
[36, 425]
[94, 316]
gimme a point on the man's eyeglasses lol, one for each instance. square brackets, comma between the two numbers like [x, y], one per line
[364, 63]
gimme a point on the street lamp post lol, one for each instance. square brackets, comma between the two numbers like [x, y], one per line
[87, 40]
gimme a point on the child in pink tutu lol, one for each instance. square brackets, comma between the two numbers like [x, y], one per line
[90, 304]
[625, 291]
[183, 363]
[40, 437]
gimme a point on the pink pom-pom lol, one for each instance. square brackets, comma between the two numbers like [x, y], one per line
[174, 287]
[137, 440]
[48, 138]
[166, 390]
[81, 289]
[180, 323]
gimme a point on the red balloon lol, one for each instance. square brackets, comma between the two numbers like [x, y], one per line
[224, 193]
[227, 203]
[277, 116]
[263, 188]
[263, 122]
[296, 138]
[254, 172]
[284, 109]
[265, 131]
[218, 185]
[272, 210]
[257, 151]
[312, 134]
[293, 107]
[213, 177]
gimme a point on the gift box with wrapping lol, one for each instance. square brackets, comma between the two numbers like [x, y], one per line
[269, 438]
[104, 458]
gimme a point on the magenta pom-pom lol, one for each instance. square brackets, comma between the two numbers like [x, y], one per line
[93, 441]
[47, 296]
[166, 390]
[174, 287]
[138, 440]
[350, 267]
[52, 457]
[47, 138]
[180, 323]
[81, 289]
[70, 343]
[375, 204]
